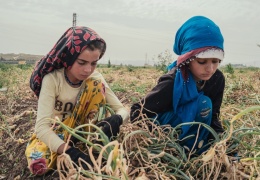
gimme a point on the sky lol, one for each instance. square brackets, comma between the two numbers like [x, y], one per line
[136, 31]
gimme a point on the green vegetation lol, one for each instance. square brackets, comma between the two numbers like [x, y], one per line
[117, 87]
[109, 64]
[229, 69]
[163, 60]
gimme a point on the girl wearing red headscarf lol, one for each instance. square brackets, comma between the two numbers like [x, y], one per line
[68, 87]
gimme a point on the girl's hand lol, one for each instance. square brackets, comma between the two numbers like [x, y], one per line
[75, 155]
[91, 115]
[110, 125]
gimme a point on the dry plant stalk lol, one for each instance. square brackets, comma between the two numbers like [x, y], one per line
[215, 163]
[144, 150]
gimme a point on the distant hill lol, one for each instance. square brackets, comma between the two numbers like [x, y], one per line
[12, 58]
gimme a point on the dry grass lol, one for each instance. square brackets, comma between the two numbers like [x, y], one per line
[18, 108]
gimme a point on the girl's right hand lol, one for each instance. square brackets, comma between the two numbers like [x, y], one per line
[75, 155]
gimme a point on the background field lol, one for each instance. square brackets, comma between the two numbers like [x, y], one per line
[18, 106]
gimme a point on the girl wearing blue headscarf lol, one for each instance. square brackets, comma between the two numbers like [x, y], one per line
[192, 90]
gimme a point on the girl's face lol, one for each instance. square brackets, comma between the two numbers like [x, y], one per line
[84, 65]
[203, 68]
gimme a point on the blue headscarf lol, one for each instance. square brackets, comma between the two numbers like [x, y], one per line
[197, 32]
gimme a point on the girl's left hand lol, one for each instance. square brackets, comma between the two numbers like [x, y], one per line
[110, 125]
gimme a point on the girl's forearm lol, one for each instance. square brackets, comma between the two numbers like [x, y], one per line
[62, 148]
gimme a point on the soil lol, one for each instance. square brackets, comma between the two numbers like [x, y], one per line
[17, 120]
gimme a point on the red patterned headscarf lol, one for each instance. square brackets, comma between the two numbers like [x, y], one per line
[63, 54]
